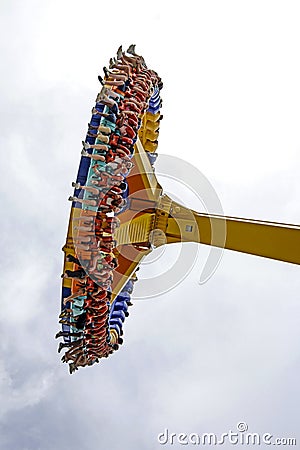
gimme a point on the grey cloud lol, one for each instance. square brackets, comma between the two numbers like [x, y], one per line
[199, 358]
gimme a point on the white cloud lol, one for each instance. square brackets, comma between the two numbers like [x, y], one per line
[199, 357]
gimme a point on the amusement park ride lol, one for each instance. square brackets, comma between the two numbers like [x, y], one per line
[120, 214]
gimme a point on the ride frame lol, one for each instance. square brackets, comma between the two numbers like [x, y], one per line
[154, 219]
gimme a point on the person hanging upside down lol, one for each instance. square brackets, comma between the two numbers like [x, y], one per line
[113, 75]
[87, 146]
[127, 130]
[122, 67]
[117, 83]
[108, 116]
[91, 189]
[86, 219]
[83, 201]
[110, 93]
[80, 274]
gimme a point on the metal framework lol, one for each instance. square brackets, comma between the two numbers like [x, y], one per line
[154, 219]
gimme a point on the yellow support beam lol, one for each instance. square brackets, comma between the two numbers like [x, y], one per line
[268, 239]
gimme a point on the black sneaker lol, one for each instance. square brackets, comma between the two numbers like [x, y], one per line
[60, 347]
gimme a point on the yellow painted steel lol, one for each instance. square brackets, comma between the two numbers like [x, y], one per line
[176, 223]
[150, 183]
[136, 230]
[149, 130]
[268, 239]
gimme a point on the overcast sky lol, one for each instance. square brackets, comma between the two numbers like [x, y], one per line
[200, 358]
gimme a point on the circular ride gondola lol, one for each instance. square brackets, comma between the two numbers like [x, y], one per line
[127, 109]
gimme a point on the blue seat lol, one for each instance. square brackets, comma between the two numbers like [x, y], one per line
[117, 306]
[123, 296]
[116, 321]
[118, 315]
[128, 287]
[152, 157]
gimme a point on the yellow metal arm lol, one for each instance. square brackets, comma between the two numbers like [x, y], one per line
[154, 219]
[267, 239]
